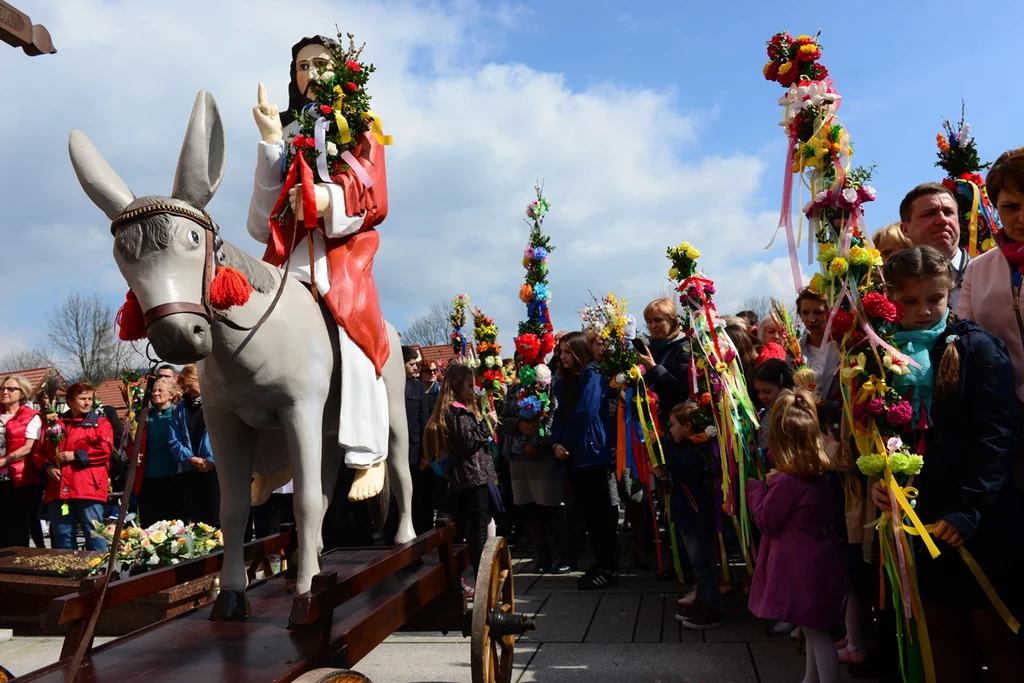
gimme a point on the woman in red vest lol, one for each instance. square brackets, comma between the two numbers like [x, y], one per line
[20, 487]
[76, 472]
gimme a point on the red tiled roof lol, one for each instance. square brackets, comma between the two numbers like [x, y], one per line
[36, 377]
[109, 393]
[436, 354]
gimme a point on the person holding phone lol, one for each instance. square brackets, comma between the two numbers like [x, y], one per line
[667, 359]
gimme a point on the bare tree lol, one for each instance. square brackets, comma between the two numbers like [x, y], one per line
[38, 357]
[82, 328]
[430, 328]
[760, 305]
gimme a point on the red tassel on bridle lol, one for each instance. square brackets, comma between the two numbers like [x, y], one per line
[129, 319]
[229, 288]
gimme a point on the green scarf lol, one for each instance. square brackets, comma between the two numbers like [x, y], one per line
[916, 386]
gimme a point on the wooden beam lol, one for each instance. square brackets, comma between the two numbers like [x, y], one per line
[17, 29]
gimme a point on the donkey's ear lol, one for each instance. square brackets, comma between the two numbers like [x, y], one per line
[203, 154]
[104, 187]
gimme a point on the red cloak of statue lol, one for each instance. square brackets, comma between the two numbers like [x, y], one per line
[352, 297]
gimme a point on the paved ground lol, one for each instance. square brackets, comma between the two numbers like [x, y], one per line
[628, 633]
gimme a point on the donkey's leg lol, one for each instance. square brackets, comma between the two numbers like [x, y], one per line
[302, 424]
[330, 466]
[234, 443]
[398, 440]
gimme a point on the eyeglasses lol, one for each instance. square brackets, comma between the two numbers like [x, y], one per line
[10, 389]
[432, 371]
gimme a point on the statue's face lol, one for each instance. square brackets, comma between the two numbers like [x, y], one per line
[309, 57]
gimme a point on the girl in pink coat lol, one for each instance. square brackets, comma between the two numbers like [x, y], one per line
[800, 576]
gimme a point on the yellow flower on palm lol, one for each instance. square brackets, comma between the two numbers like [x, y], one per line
[720, 366]
[692, 253]
[859, 256]
[673, 273]
[838, 266]
[819, 285]
[988, 244]
[854, 366]
[876, 257]
[634, 373]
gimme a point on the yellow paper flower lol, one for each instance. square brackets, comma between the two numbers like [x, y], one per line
[692, 254]
[897, 364]
[838, 266]
[859, 256]
[720, 366]
[673, 273]
[875, 386]
[988, 244]
[819, 285]
[827, 252]
[876, 257]
[634, 373]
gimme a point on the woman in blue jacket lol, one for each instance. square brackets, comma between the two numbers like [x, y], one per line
[191, 444]
[581, 437]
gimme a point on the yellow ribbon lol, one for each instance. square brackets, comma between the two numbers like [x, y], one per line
[339, 119]
[983, 581]
[378, 129]
[904, 504]
[972, 246]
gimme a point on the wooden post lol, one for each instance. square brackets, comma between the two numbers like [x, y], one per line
[18, 30]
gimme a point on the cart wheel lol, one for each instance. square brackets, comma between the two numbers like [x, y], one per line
[332, 676]
[495, 623]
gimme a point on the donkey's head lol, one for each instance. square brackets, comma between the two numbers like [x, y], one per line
[166, 247]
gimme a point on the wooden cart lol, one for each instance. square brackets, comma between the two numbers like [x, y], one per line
[360, 597]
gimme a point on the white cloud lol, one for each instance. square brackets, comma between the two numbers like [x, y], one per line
[470, 139]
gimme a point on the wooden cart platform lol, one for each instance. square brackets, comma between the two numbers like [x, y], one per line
[360, 597]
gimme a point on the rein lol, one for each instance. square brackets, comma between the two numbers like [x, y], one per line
[204, 309]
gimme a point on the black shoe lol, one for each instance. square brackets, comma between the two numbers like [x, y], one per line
[544, 569]
[643, 566]
[597, 581]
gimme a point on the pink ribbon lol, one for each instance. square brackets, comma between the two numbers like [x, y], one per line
[358, 169]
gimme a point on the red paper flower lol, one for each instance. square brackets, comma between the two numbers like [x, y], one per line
[547, 344]
[309, 142]
[818, 72]
[771, 71]
[353, 65]
[973, 178]
[842, 322]
[768, 351]
[949, 184]
[878, 306]
[298, 140]
[351, 87]
[788, 73]
[808, 52]
[900, 311]
[528, 346]
[326, 109]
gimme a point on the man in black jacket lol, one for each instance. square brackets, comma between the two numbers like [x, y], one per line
[417, 412]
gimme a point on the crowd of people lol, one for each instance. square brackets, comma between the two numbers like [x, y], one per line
[62, 469]
[552, 483]
[817, 570]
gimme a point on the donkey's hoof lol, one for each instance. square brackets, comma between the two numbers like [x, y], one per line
[231, 606]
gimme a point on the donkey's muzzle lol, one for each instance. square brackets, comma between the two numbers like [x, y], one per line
[182, 338]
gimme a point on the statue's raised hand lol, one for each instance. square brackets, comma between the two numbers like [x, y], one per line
[268, 119]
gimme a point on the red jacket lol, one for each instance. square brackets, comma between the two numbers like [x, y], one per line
[23, 472]
[91, 438]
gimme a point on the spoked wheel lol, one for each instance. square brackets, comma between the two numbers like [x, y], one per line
[495, 623]
[332, 676]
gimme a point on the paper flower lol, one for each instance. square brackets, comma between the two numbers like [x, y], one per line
[838, 266]
[854, 365]
[529, 407]
[843, 322]
[878, 306]
[673, 273]
[540, 292]
[528, 346]
[543, 373]
[527, 376]
[901, 413]
[540, 253]
[897, 364]
[526, 293]
[871, 465]
[788, 73]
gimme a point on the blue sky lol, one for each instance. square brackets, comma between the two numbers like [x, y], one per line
[650, 123]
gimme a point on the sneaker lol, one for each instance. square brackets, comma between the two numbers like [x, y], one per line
[783, 627]
[597, 581]
[700, 617]
[688, 599]
[468, 590]
[795, 633]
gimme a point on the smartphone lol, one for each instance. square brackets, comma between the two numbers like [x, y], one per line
[639, 345]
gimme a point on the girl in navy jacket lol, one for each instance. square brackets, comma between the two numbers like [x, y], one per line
[580, 435]
[968, 414]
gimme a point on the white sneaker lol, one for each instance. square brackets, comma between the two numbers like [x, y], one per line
[688, 599]
[795, 633]
[783, 627]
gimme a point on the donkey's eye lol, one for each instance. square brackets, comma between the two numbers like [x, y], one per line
[193, 235]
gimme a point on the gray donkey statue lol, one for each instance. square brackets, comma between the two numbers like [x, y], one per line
[271, 385]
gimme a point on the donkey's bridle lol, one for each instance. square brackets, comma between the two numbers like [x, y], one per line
[203, 220]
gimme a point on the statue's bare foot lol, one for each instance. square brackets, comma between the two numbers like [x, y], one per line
[368, 482]
[264, 485]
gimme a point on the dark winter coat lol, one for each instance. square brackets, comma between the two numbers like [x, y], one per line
[670, 378]
[466, 440]
[417, 413]
[693, 505]
[969, 453]
[581, 429]
[514, 441]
